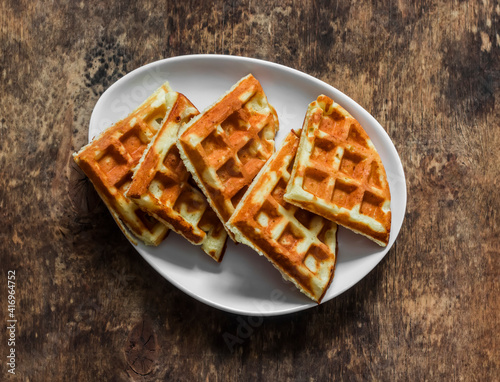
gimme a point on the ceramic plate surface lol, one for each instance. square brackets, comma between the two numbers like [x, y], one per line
[246, 283]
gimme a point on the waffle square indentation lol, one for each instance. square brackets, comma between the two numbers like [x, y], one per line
[229, 170]
[237, 197]
[133, 143]
[173, 161]
[190, 203]
[124, 183]
[349, 163]
[374, 178]
[163, 186]
[356, 136]
[156, 116]
[323, 150]
[372, 205]
[235, 122]
[248, 152]
[342, 192]
[315, 255]
[111, 160]
[304, 217]
[267, 214]
[316, 182]
[214, 145]
[290, 237]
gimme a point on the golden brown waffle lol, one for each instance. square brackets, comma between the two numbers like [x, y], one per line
[110, 158]
[338, 173]
[161, 187]
[300, 244]
[225, 147]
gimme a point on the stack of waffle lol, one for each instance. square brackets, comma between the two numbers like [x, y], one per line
[204, 176]
[163, 187]
[300, 244]
[225, 147]
[136, 168]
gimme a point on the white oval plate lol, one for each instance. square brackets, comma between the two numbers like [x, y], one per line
[246, 283]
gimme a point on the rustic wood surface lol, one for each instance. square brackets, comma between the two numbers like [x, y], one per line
[89, 307]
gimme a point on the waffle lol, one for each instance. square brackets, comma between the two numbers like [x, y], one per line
[110, 158]
[225, 147]
[300, 244]
[161, 186]
[338, 173]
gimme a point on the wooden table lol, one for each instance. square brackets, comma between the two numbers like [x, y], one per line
[429, 73]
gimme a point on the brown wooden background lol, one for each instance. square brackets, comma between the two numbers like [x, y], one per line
[427, 71]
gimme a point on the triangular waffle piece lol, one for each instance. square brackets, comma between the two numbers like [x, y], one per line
[300, 244]
[338, 173]
[225, 147]
[110, 158]
[161, 186]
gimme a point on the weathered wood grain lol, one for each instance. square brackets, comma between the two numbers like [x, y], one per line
[429, 72]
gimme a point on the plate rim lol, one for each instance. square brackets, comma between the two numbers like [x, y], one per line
[342, 99]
